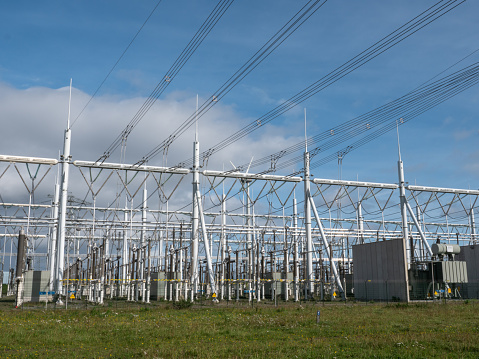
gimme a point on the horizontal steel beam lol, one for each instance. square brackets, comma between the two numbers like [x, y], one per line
[22, 159]
[443, 190]
[128, 167]
[354, 183]
[251, 176]
[21, 205]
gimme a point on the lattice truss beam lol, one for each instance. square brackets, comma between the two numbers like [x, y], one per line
[150, 204]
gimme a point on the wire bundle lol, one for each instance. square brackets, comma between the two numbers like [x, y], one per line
[387, 42]
[180, 61]
[276, 40]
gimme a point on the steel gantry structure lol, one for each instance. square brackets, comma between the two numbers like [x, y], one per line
[241, 236]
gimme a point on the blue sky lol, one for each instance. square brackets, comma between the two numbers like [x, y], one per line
[44, 44]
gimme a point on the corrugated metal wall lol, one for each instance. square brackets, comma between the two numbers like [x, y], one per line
[379, 272]
[470, 254]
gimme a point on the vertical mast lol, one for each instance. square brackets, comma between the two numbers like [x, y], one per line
[223, 244]
[65, 160]
[473, 226]
[360, 224]
[404, 225]
[124, 256]
[195, 212]
[295, 242]
[143, 242]
[307, 218]
[53, 249]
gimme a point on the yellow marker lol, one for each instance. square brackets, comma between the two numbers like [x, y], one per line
[435, 293]
[449, 290]
[214, 295]
[334, 294]
[72, 296]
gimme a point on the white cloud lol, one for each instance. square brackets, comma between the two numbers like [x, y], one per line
[35, 119]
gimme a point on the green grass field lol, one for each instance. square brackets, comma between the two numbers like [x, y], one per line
[128, 330]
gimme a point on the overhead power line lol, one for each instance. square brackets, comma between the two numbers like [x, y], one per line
[276, 40]
[116, 63]
[384, 118]
[180, 61]
[409, 107]
[417, 23]
[406, 107]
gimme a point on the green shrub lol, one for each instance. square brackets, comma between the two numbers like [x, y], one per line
[182, 304]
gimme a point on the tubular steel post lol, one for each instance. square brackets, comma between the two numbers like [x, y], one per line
[54, 239]
[473, 226]
[237, 269]
[180, 261]
[327, 248]
[405, 232]
[66, 159]
[360, 224]
[207, 247]
[223, 245]
[230, 276]
[263, 270]
[124, 257]
[418, 226]
[195, 221]
[307, 227]
[296, 258]
[148, 275]
[286, 265]
[102, 272]
[143, 243]
[421, 245]
[258, 272]
[403, 204]
[249, 239]
[22, 239]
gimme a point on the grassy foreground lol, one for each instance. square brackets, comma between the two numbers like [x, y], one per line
[290, 331]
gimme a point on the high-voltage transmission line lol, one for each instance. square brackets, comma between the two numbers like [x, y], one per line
[117, 62]
[180, 61]
[453, 85]
[276, 40]
[381, 119]
[422, 20]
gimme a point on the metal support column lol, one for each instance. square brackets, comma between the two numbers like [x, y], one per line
[143, 244]
[418, 226]
[473, 226]
[223, 246]
[65, 159]
[22, 241]
[327, 248]
[124, 257]
[207, 247]
[194, 221]
[307, 226]
[405, 231]
[360, 224]
[296, 257]
[54, 238]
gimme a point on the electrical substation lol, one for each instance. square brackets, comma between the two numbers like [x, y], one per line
[142, 253]
[256, 232]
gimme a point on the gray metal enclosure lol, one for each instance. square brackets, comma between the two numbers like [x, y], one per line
[36, 287]
[158, 285]
[379, 271]
[470, 254]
